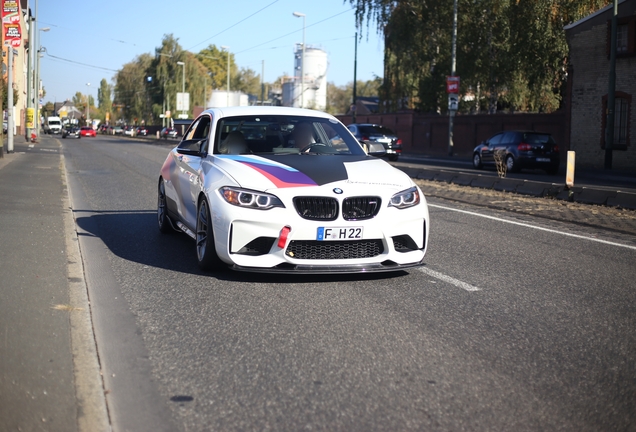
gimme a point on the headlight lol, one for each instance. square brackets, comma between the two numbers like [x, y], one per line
[250, 199]
[406, 198]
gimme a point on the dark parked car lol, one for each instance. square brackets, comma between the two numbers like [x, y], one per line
[373, 133]
[519, 149]
[141, 131]
[71, 132]
[169, 133]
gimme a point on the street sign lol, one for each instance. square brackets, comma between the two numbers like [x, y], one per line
[12, 33]
[453, 102]
[30, 112]
[183, 101]
[452, 84]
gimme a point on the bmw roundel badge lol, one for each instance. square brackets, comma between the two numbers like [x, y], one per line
[337, 190]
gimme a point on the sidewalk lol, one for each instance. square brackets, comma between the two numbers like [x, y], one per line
[49, 378]
[599, 187]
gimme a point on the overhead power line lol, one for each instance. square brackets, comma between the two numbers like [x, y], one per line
[233, 25]
[80, 63]
[295, 31]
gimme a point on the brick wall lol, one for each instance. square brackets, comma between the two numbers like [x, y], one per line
[428, 134]
[589, 83]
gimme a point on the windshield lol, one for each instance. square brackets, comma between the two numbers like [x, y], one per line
[376, 130]
[284, 135]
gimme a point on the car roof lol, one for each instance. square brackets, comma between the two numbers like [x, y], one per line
[266, 110]
[523, 131]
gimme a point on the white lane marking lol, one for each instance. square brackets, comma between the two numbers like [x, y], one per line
[448, 279]
[535, 227]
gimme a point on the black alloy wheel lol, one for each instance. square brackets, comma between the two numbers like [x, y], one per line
[162, 210]
[477, 161]
[206, 252]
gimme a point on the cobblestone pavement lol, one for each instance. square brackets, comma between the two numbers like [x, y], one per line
[609, 218]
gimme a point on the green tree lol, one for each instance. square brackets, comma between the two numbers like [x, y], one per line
[511, 54]
[339, 99]
[5, 99]
[248, 82]
[104, 101]
[131, 98]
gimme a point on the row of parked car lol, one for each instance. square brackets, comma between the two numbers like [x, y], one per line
[106, 129]
[515, 149]
[78, 132]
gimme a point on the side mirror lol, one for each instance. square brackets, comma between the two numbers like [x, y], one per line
[376, 149]
[192, 147]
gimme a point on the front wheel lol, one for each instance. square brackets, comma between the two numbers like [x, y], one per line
[477, 161]
[162, 210]
[207, 257]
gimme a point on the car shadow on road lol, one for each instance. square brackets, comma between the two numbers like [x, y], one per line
[133, 235]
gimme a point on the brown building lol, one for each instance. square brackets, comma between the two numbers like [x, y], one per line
[588, 77]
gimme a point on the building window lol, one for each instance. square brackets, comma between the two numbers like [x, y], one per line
[625, 37]
[621, 38]
[621, 122]
[622, 109]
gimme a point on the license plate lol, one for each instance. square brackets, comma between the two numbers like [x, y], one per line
[339, 233]
[543, 159]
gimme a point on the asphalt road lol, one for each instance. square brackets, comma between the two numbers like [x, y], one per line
[509, 326]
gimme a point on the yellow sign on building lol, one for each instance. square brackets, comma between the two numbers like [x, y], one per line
[29, 118]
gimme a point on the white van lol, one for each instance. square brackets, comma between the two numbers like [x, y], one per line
[52, 125]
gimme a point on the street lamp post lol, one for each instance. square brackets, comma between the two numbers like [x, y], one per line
[228, 73]
[37, 79]
[180, 63]
[29, 87]
[302, 63]
[205, 89]
[87, 103]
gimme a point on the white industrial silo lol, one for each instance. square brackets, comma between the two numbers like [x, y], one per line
[315, 83]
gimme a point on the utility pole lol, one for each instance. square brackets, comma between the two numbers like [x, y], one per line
[451, 111]
[611, 92]
[302, 62]
[354, 105]
[2, 135]
[10, 119]
[30, 77]
[262, 82]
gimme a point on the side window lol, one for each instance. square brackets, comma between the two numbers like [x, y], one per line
[202, 129]
[508, 138]
[190, 132]
[196, 132]
[496, 140]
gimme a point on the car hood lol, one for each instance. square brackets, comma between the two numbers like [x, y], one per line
[285, 171]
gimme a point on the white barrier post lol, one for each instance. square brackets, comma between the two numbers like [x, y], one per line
[569, 174]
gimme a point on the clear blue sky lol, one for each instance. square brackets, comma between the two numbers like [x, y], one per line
[106, 35]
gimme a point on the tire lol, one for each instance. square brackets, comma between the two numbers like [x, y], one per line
[477, 161]
[162, 210]
[393, 158]
[511, 164]
[206, 253]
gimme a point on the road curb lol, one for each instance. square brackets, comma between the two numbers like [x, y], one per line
[584, 195]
